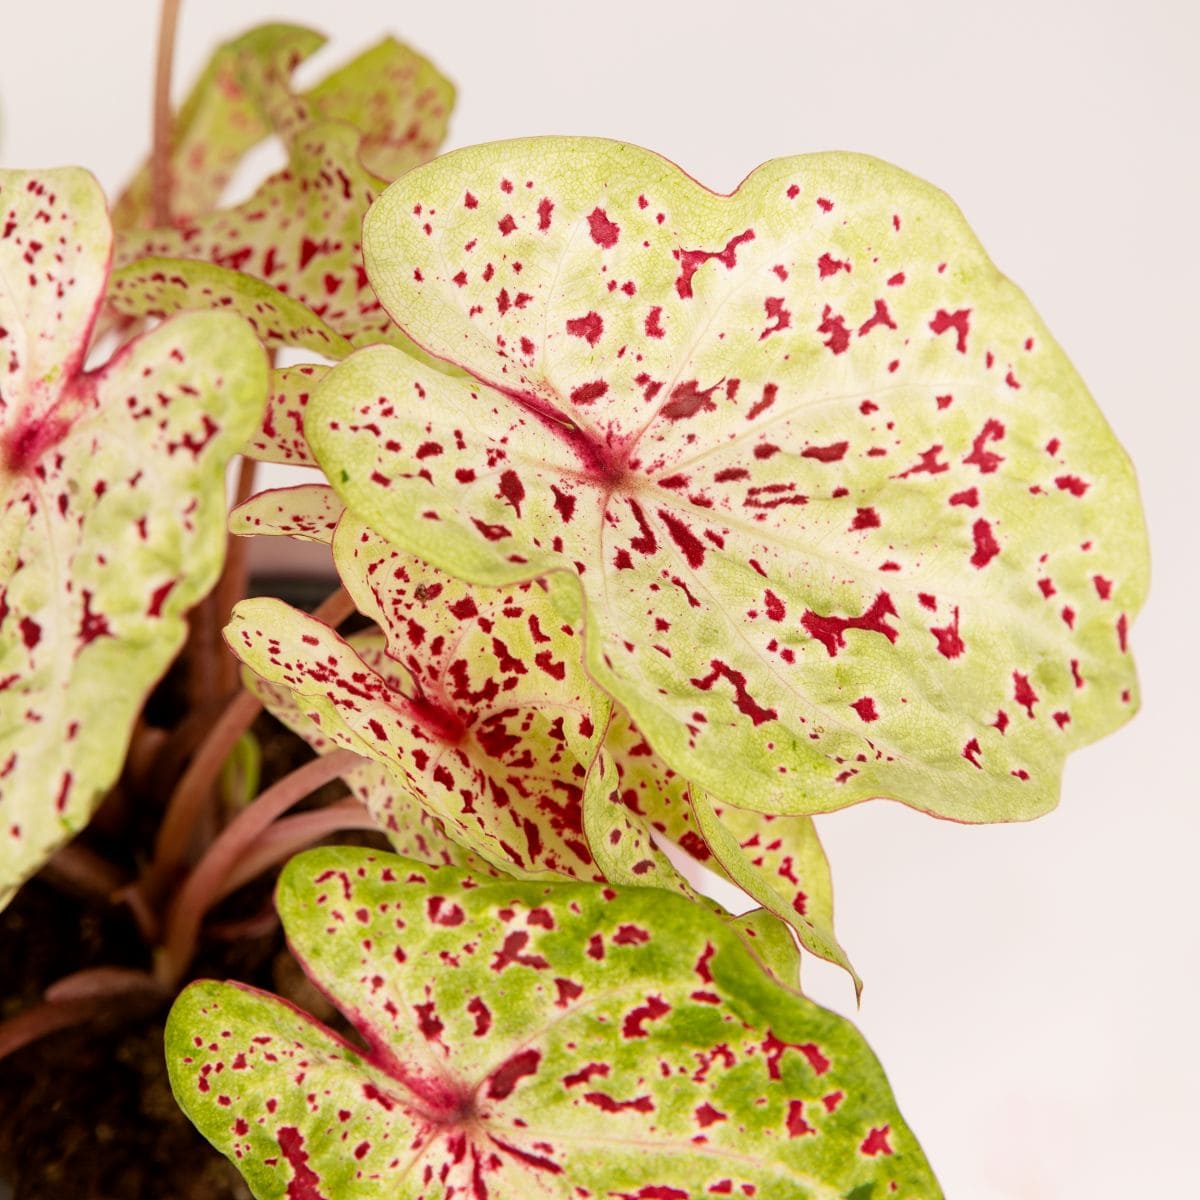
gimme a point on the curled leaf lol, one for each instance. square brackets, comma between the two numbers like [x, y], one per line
[308, 511]
[846, 521]
[526, 1039]
[112, 507]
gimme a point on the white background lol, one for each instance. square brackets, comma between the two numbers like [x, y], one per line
[1031, 990]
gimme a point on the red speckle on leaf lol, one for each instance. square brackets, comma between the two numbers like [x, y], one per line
[1123, 633]
[506, 225]
[986, 546]
[949, 644]
[833, 325]
[544, 210]
[690, 261]
[706, 1115]
[510, 954]
[834, 452]
[880, 316]
[444, 912]
[986, 460]
[482, 1015]
[969, 498]
[865, 707]
[511, 490]
[865, 518]
[830, 631]
[654, 327]
[566, 991]
[959, 321]
[797, 1126]
[1103, 586]
[742, 699]
[774, 606]
[689, 545]
[304, 1183]
[505, 1077]
[824, 204]
[604, 232]
[158, 598]
[777, 313]
[687, 399]
[634, 1025]
[876, 1142]
[590, 327]
[31, 632]
[1072, 484]
[828, 265]
[1023, 692]
[589, 393]
[971, 752]
[630, 935]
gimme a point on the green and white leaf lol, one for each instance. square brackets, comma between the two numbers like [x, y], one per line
[162, 287]
[307, 511]
[112, 507]
[530, 1040]
[846, 521]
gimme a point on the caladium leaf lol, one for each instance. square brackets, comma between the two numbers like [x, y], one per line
[162, 287]
[112, 507]
[281, 438]
[847, 522]
[474, 720]
[394, 95]
[525, 1039]
[411, 829]
[308, 511]
[220, 121]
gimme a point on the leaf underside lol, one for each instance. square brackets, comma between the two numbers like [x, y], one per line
[846, 522]
[111, 507]
[530, 1040]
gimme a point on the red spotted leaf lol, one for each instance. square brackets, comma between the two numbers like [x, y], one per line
[480, 709]
[396, 97]
[281, 437]
[112, 506]
[307, 511]
[835, 499]
[530, 1040]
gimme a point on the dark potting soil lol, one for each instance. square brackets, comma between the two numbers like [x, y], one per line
[87, 1113]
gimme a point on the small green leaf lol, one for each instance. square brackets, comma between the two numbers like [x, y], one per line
[112, 507]
[525, 1039]
[847, 522]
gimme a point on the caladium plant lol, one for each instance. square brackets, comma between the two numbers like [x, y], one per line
[672, 519]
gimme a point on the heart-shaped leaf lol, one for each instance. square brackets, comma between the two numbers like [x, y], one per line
[530, 1040]
[112, 506]
[847, 522]
[485, 716]
[391, 93]
[408, 825]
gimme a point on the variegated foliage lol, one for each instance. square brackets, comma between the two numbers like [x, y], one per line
[530, 1040]
[475, 703]
[112, 506]
[846, 522]
[288, 259]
